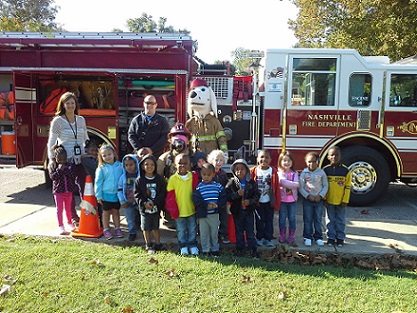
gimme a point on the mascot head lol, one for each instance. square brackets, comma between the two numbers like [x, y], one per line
[201, 99]
[179, 137]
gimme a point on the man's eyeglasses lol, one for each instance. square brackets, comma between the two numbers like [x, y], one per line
[150, 103]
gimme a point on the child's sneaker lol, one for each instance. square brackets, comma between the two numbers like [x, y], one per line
[62, 231]
[216, 254]
[150, 249]
[307, 242]
[107, 234]
[184, 251]
[260, 242]
[320, 242]
[224, 239]
[118, 233]
[330, 242]
[194, 251]
[340, 242]
[269, 243]
[71, 227]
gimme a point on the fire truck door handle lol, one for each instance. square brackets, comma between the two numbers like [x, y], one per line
[379, 99]
[19, 120]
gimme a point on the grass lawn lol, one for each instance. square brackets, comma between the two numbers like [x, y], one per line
[76, 276]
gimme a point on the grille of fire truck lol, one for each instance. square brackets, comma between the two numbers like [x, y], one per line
[364, 120]
[220, 86]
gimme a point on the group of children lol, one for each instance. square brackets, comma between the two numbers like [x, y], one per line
[198, 198]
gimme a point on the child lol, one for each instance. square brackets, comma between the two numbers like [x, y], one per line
[179, 204]
[243, 194]
[142, 152]
[208, 197]
[150, 193]
[199, 160]
[337, 197]
[217, 158]
[106, 186]
[63, 185]
[125, 193]
[289, 182]
[266, 177]
[89, 160]
[313, 187]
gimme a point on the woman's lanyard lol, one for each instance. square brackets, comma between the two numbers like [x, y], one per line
[76, 129]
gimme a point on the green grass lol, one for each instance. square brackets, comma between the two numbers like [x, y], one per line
[79, 276]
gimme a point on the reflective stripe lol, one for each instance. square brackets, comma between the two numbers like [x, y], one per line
[206, 138]
[223, 147]
[220, 134]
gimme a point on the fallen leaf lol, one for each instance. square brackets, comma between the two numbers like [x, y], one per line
[128, 309]
[153, 261]
[395, 247]
[108, 300]
[45, 294]
[96, 262]
[246, 279]
[171, 273]
[82, 278]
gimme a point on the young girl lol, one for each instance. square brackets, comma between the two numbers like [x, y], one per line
[107, 177]
[216, 157]
[288, 179]
[266, 177]
[63, 184]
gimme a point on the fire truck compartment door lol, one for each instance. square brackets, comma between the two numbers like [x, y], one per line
[25, 94]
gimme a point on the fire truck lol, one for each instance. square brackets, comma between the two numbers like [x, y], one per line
[312, 99]
[110, 73]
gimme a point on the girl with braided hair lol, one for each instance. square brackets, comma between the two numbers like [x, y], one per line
[63, 185]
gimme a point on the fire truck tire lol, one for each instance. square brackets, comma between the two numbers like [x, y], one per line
[370, 174]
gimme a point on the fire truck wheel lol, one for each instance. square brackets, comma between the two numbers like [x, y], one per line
[370, 174]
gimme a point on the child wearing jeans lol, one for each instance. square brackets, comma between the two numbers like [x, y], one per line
[125, 193]
[208, 197]
[313, 188]
[217, 158]
[337, 197]
[180, 205]
[266, 177]
[243, 194]
[150, 193]
[106, 186]
[289, 180]
[63, 185]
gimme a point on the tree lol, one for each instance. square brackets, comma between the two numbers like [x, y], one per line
[146, 24]
[373, 27]
[28, 15]
[242, 60]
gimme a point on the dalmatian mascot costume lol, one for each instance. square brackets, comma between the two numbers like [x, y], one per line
[203, 124]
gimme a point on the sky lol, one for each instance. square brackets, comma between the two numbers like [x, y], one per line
[219, 26]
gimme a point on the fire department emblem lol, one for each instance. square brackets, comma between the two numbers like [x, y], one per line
[410, 127]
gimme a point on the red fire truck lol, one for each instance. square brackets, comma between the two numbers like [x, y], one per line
[110, 73]
[313, 99]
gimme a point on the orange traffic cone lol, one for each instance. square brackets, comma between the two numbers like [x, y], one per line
[89, 221]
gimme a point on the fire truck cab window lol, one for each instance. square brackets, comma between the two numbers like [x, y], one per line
[360, 87]
[403, 91]
[313, 81]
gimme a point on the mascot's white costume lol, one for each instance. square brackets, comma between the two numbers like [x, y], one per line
[207, 132]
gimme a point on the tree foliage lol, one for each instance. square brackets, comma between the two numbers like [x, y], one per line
[146, 24]
[373, 27]
[28, 15]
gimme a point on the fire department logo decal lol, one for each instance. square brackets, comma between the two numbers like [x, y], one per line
[410, 127]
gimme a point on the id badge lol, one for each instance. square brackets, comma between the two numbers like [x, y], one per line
[77, 150]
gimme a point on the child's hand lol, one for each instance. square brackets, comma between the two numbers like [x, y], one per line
[100, 201]
[245, 202]
[149, 205]
[124, 205]
[241, 192]
[343, 204]
[211, 206]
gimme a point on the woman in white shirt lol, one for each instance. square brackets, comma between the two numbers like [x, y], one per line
[70, 130]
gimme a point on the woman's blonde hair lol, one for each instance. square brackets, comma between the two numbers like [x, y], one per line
[60, 109]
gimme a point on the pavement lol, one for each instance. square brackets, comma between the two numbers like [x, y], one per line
[367, 233]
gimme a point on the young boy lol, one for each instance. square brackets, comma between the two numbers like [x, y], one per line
[313, 188]
[243, 194]
[266, 177]
[337, 197]
[217, 158]
[150, 193]
[179, 204]
[208, 197]
[125, 193]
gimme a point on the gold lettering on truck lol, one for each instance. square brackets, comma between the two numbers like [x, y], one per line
[410, 127]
